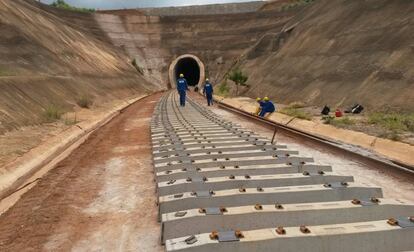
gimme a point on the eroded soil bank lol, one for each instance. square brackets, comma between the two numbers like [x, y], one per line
[101, 198]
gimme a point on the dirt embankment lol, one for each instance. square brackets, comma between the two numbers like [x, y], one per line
[338, 53]
[47, 61]
[100, 198]
[218, 40]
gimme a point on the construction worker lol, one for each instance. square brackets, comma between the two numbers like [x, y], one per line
[259, 108]
[182, 88]
[267, 107]
[208, 92]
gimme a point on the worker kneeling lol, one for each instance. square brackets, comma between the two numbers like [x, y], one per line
[266, 107]
[182, 88]
[208, 92]
[259, 108]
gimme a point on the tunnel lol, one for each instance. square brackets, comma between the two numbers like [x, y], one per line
[190, 69]
[189, 65]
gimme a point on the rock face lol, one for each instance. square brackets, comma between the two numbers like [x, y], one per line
[218, 40]
[339, 53]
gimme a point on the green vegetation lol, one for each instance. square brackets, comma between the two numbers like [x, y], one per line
[84, 101]
[63, 5]
[393, 121]
[52, 113]
[239, 78]
[296, 3]
[296, 112]
[342, 122]
[223, 89]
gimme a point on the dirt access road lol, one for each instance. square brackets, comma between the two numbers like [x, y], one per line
[101, 198]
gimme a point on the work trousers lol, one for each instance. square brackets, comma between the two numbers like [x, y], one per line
[263, 112]
[182, 98]
[209, 99]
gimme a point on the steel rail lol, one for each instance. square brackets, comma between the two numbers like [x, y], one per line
[384, 163]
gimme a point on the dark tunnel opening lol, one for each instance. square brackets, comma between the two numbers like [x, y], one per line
[191, 70]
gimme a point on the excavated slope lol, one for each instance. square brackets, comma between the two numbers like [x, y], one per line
[338, 53]
[45, 60]
[52, 56]
[330, 52]
[218, 40]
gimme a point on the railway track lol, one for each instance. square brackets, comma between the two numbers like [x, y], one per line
[223, 188]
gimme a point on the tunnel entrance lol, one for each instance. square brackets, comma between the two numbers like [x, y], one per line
[190, 69]
[189, 65]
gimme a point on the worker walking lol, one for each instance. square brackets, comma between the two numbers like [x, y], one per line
[182, 88]
[208, 92]
[267, 107]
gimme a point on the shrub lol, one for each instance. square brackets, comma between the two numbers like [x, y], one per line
[63, 5]
[84, 102]
[52, 113]
[239, 78]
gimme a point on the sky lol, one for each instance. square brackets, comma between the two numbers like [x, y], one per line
[120, 4]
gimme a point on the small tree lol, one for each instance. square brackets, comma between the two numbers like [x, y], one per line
[63, 5]
[239, 78]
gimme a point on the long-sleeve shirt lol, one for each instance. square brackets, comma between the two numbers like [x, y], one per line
[182, 85]
[208, 89]
[268, 106]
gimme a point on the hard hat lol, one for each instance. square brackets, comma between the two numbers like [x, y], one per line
[207, 79]
[181, 75]
[258, 99]
[266, 98]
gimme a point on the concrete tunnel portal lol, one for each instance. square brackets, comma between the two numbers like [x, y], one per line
[189, 65]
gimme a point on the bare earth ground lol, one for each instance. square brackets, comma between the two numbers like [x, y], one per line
[101, 198]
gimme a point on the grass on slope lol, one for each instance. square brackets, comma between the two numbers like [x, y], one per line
[295, 110]
[63, 5]
[342, 122]
[84, 101]
[52, 113]
[393, 121]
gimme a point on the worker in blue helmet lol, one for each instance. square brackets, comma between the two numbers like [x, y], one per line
[267, 107]
[208, 92]
[182, 88]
